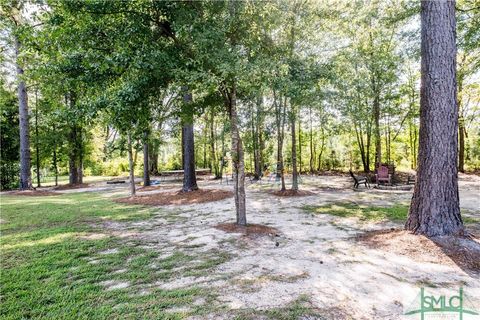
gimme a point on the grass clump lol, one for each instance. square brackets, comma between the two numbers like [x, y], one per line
[395, 213]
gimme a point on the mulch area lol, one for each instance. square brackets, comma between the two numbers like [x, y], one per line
[249, 229]
[448, 250]
[72, 186]
[178, 197]
[292, 193]
[33, 193]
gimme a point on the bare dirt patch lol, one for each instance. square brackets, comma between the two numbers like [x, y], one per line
[292, 193]
[249, 230]
[33, 193]
[178, 197]
[460, 251]
[72, 186]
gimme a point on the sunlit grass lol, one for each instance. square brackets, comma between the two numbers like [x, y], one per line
[365, 213]
[57, 263]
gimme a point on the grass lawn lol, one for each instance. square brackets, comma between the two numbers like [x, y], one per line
[52, 266]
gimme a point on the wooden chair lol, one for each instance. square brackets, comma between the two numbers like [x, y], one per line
[357, 180]
[382, 175]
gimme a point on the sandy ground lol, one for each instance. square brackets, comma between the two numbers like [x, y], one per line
[313, 255]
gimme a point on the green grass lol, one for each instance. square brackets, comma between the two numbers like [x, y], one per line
[52, 265]
[396, 213]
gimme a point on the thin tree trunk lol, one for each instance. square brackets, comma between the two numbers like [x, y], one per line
[131, 166]
[222, 162]
[80, 156]
[146, 171]
[312, 153]
[55, 165]
[435, 209]
[237, 159]
[205, 138]
[461, 149]
[37, 147]
[213, 152]
[299, 144]
[378, 138]
[25, 174]
[188, 144]
[294, 149]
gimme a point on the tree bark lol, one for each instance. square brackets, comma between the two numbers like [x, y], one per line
[280, 106]
[188, 144]
[294, 149]
[146, 154]
[72, 156]
[237, 158]
[435, 209]
[37, 147]
[213, 152]
[461, 149]
[25, 174]
[131, 166]
[299, 144]
[312, 153]
[378, 138]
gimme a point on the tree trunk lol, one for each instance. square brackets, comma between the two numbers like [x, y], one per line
[461, 149]
[258, 141]
[80, 156]
[25, 174]
[188, 144]
[146, 166]
[299, 144]
[280, 121]
[222, 162]
[237, 159]
[131, 166]
[294, 150]
[213, 152]
[72, 156]
[37, 147]
[435, 209]
[55, 165]
[378, 138]
[312, 153]
[205, 138]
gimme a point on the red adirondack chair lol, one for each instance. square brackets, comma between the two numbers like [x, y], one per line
[383, 176]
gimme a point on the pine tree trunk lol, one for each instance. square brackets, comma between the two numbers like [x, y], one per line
[146, 166]
[25, 174]
[435, 209]
[237, 159]
[188, 145]
[131, 166]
